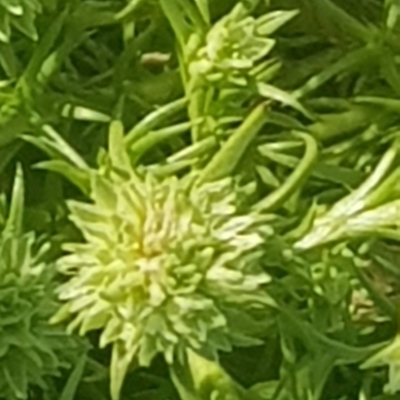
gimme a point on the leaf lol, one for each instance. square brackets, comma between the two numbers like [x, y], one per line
[56, 147]
[198, 149]
[120, 361]
[183, 380]
[71, 386]
[25, 23]
[8, 60]
[272, 21]
[77, 176]
[354, 59]
[226, 159]
[83, 114]
[5, 29]
[7, 153]
[388, 103]
[273, 93]
[338, 20]
[393, 13]
[267, 176]
[116, 146]
[204, 10]
[154, 119]
[15, 217]
[155, 137]
[295, 180]
[184, 18]
[15, 374]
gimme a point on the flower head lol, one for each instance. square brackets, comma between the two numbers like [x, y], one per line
[30, 350]
[233, 45]
[162, 263]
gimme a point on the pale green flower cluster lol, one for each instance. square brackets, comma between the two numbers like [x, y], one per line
[162, 263]
[233, 46]
[30, 350]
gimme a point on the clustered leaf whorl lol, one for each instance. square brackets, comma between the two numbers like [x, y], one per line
[236, 44]
[163, 265]
[30, 349]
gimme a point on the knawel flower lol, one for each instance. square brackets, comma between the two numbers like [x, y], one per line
[233, 44]
[164, 265]
[237, 43]
[31, 351]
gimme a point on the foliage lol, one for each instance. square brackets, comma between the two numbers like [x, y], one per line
[207, 191]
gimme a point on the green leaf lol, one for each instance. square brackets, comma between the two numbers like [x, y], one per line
[5, 29]
[273, 93]
[120, 361]
[204, 9]
[155, 137]
[295, 180]
[272, 21]
[8, 60]
[337, 19]
[56, 147]
[227, 158]
[75, 175]
[154, 119]
[352, 60]
[15, 217]
[71, 386]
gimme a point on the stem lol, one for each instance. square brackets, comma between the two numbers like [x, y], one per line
[153, 119]
[226, 160]
[152, 138]
[295, 180]
[337, 125]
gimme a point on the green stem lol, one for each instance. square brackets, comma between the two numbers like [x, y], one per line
[337, 125]
[295, 180]
[357, 200]
[356, 58]
[333, 16]
[195, 150]
[154, 119]
[41, 52]
[142, 145]
[313, 340]
[227, 158]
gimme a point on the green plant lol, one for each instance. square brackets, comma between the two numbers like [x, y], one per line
[211, 199]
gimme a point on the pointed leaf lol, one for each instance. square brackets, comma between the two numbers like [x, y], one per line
[71, 386]
[120, 361]
[15, 217]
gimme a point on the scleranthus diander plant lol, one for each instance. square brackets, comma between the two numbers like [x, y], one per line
[31, 351]
[164, 265]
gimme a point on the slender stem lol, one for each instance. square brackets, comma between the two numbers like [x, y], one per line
[154, 119]
[294, 181]
[226, 160]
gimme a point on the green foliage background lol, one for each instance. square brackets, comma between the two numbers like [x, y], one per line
[247, 152]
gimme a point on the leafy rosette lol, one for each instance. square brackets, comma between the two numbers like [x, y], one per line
[19, 14]
[31, 351]
[165, 265]
[236, 44]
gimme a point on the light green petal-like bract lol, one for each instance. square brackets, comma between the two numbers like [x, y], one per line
[160, 263]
